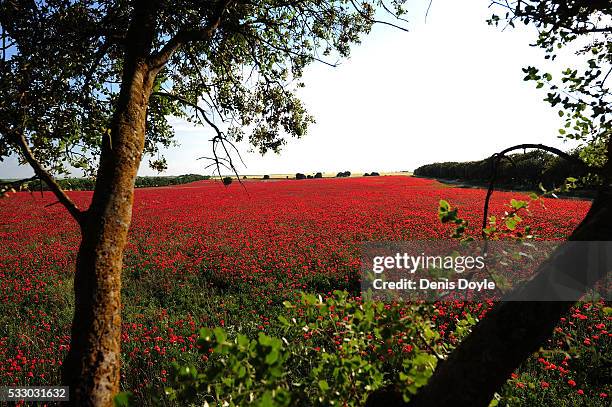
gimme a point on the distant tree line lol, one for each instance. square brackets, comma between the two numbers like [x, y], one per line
[342, 174]
[299, 175]
[87, 184]
[171, 180]
[521, 171]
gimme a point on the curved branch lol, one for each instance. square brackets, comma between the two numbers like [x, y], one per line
[502, 154]
[514, 329]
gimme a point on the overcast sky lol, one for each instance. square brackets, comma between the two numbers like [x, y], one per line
[450, 89]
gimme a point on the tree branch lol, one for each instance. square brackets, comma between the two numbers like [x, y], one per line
[220, 138]
[159, 59]
[374, 21]
[45, 176]
[514, 329]
[502, 154]
[7, 186]
[199, 110]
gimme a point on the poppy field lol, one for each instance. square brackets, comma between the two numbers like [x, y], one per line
[208, 255]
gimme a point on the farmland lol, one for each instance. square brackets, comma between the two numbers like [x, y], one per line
[205, 255]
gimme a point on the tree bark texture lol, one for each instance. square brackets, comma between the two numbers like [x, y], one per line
[91, 368]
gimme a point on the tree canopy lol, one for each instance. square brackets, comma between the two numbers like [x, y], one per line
[580, 93]
[233, 66]
[85, 82]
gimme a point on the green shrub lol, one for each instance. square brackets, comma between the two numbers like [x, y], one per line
[333, 351]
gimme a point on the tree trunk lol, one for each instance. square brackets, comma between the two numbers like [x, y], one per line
[91, 368]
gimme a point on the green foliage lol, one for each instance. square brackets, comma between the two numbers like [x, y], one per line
[446, 214]
[521, 171]
[324, 357]
[124, 399]
[246, 370]
[63, 64]
[581, 94]
[507, 225]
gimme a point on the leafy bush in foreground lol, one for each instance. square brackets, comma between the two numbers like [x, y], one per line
[334, 351]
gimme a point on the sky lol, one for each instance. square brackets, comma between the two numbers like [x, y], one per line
[450, 89]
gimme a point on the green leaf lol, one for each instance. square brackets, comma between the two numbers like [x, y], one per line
[444, 206]
[272, 357]
[266, 400]
[241, 372]
[242, 340]
[518, 204]
[264, 339]
[206, 334]
[124, 399]
[323, 385]
[220, 334]
[511, 222]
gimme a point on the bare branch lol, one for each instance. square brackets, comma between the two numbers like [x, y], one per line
[219, 139]
[45, 176]
[199, 110]
[502, 154]
[428, 8]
